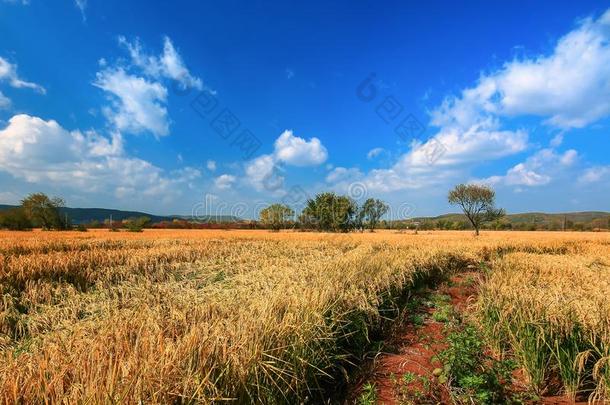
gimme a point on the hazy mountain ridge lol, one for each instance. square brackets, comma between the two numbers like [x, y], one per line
[584, 217]
[85, 215]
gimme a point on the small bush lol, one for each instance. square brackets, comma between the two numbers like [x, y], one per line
[474, 377]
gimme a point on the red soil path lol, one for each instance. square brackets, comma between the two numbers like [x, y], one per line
[417, 347]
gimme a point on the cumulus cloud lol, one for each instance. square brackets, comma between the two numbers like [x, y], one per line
[211, 165]
[168, 65]
[538, 170]
[138, 105]
[447, 157]
[568, 88]
[224, 181]
[296, 151]
[266, 172]
[43, 152]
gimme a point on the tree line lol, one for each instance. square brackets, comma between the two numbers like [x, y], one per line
[338, 213]
[327, 212]
[41, 211]
[36, 211]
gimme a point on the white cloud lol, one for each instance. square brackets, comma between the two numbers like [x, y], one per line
[342, 174]
[373, 153]
[297, 151]
[211, 165]
[446, 157]
[167, 65]
[521, 175]
[570, 88]
[5, 102]
[8, 73]
[24, 2]
[139, 98]
[262, 173]
[42, 152]
[266, 172]
[538, 170]
[224, 181]
[594, 174]
[557, 140]
[8, 197]
[82, 7]
[137, 104]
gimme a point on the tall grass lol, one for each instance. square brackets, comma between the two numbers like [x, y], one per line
[212, 316]
[553, 314]
[204, 321]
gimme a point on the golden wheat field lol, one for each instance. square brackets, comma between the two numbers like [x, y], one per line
[255, 316]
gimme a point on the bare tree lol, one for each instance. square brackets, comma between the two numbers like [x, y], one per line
[478, 203]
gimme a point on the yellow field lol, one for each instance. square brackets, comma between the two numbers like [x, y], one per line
[207, 316]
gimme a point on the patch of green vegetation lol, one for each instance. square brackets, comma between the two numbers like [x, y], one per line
[468, 281]
[368, 395]
[443, 314]
[417, 319]
[474, 377]
[408, 377]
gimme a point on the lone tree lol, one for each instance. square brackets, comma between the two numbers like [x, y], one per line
[478, 203]
[43, 211]
[138, 224]
[276, 216]
[372, 210]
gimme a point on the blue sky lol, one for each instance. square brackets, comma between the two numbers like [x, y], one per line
[204, 107]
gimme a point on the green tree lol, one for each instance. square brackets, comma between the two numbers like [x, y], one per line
[15, 219]
[276, 216]
[137, 224]
[330, 212]
[43, 211]
[372, 210]
[477, 202]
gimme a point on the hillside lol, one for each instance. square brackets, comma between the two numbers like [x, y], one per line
[538, 219]
[85, 215]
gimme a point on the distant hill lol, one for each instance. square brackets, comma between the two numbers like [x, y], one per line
[85, 215]
[533, 219]
[517, 221]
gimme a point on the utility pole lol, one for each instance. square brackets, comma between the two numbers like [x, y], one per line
[111, 221]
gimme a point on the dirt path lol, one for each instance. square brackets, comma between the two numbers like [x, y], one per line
[410, 374]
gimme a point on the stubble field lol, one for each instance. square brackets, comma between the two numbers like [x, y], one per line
[254, 316]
